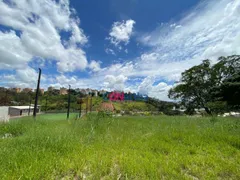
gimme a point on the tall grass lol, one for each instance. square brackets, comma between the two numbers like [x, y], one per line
[100, 147]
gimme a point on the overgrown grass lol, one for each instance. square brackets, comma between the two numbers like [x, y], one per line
[98, 147]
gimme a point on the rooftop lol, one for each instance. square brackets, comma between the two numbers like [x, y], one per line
[23, 107]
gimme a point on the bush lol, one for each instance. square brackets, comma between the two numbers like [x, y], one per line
[147, 113]
[127, 112]
[190, 111]
[218, 107]
[172, 113]
[118, 111]
[103, 114]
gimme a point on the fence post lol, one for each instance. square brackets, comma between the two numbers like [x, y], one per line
[87, 105]
[68, 102]
[80, 108]
[91, 104]
[29, 106]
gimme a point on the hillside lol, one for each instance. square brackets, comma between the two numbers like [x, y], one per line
[133, 106]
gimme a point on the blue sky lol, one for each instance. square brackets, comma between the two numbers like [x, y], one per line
[128, 45]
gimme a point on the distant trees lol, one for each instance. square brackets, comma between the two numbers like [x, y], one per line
[162, 106]
[5, 99]
[212, 87]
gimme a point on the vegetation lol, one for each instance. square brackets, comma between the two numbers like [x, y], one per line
[53, 102]
[133, 106]
[102, 147]
[216, 88]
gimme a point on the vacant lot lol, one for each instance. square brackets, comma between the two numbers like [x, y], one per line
[99, 147]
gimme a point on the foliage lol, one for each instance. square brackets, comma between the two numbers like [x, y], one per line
[133, 106]
[230, 90]
[161, 105]
[194, 87]
[203, 86]
[172, 112]
[218, 107]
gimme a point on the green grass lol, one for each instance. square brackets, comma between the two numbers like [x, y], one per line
[126, 148]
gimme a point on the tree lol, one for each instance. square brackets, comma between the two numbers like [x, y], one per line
[193, 89]
[230, 90]
[227, 81]
[211, 87]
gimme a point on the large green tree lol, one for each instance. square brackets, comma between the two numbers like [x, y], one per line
[193, 90]
[204, 84]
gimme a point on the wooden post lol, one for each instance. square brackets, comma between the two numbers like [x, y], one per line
[87, 105]
[80, 108]
[46, 104]
[68, 102]
[91, 104]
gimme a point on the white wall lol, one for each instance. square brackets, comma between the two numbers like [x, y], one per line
[4, 117]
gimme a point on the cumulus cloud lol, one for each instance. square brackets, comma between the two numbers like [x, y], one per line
[121, 32]
[12, 52]
[147, 87]
[39, 24]
[76, 82]
[23, 78]
[95, 66]
[115, 82]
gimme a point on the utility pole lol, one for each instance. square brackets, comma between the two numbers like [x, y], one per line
[68, 102]
[36, 97]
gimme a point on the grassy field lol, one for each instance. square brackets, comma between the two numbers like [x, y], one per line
[158, 147]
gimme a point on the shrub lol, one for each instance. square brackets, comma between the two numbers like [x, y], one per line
[147, 113]
[172, 113]
[218, 107]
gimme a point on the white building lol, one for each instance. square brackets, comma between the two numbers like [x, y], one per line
[22, 110]
[4, 116]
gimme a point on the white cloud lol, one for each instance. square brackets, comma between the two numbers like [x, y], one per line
[23, 78]
[95, 66]
[110, 51]
[28, 75]
[12, 52]
[40, 24]
[210, 30]
[115, 82]
[149, 57]
[121, 32]
[77, 34]
[74, 81]
[160, 90]
[146, 86]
